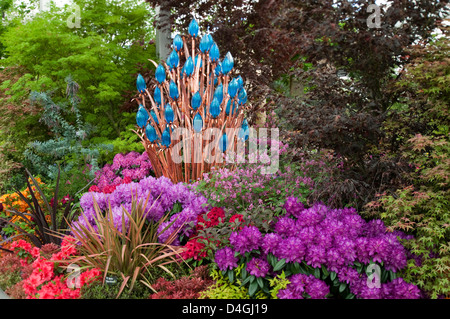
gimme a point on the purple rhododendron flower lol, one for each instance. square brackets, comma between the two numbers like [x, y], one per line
[292, 249]
[293, 206]
[270, 243]
[246, 240]
[258, 267]
[301, 285]
[225, 259]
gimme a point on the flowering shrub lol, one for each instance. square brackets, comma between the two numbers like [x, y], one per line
[14, 201]
[10, 269]
[324, 253]
[205, 238]
[253, 183]
[44, 275]
[124, 169]
[164, 197]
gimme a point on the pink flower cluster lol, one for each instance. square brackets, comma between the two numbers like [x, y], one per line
[47, 280]
[125, 169]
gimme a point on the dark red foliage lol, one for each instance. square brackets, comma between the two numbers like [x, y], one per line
[186, 287]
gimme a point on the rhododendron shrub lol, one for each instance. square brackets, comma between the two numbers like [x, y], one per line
[48, 276]
[126, 168]
[183, 205]
[324, 253]
[209, 234]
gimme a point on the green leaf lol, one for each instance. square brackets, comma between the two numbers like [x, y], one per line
[279, 265]
[246, 280]
[260, 282]
[325, 272]
[296, 268]
[317, 273]
[342, 287]
[244, 273]
[332, 275]
[253, 288]
[230, 274]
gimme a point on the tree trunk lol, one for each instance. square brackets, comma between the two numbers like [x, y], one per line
[163, 32]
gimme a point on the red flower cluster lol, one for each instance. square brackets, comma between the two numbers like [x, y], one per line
[238, 219]
[64, 200]
[46, 280]
[108, 189]
[195, 247]
[213, 218]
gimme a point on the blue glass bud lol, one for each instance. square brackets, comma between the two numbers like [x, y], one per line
[214, 108]
[196, 100]
[218, 69]
[153, 114]
[173, 90]
[240, 82]
[173, 59]
[214, 53]
[165, 138]
[244, 131]
[168, 112]
[177, 42]
[151, 133]
[141, 116]
[189, 66]
[223, 142]
[227, 110]
[197, 123]
[242, 96]
[193, 28]
[233, 87]
[219, 93]
[227, 63]
[206, 43]
[140, 84]
[160, 74]
[157, 95]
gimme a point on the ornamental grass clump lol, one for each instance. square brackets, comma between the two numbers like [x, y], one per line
[323, 252]
[164, 197]
[129, 248]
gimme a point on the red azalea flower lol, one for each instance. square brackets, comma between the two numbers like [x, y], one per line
[94, 188]
[109, 189]
[127, 180]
